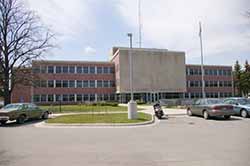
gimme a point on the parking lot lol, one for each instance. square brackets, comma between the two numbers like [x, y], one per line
[178, 141]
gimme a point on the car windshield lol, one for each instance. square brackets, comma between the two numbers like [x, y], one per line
[244, 101]
[12, 106]
[213, 101]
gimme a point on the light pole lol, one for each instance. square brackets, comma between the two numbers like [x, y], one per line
[202, 65]
[132, 106]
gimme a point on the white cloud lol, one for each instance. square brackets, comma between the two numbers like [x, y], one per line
[64, 17]
[174, 24]
[89, 50]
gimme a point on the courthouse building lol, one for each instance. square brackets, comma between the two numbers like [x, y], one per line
[157, 74]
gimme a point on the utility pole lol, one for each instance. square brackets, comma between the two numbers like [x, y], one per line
[202, 65]
[139, 23]
[132, 106]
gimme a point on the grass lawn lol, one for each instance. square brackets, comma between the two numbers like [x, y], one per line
[83, 108]
[99, 118]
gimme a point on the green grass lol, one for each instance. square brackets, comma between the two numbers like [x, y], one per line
[99, 118]
[83, 108]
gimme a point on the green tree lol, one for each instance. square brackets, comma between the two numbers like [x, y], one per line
[245, 79]
[237, 78]
[23, 38]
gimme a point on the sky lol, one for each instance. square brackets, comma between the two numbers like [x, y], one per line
[88, 29]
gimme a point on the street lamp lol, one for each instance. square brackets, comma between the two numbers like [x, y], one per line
[132, 106]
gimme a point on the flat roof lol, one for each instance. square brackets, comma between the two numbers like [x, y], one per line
[71, 62]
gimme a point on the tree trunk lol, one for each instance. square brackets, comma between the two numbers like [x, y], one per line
[7, 94]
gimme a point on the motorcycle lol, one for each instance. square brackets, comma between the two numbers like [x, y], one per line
[158, 111]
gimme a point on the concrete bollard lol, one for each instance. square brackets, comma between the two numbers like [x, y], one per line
[132, 110]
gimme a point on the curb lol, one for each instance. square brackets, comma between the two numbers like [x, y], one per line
[50, 125]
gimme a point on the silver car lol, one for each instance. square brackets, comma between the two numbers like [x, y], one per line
[210, 108]
[241, 105]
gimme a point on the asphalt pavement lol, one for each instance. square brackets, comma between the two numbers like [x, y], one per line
[176, 141]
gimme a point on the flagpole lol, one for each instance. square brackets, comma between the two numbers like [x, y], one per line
[202, 65]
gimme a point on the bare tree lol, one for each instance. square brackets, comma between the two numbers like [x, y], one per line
[23, 38]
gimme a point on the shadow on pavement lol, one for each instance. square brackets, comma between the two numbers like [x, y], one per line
[27, 123]
[221, 118]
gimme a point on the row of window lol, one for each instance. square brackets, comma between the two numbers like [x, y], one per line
[214, 72]
[73, 69]
[209, 83]
[74, 83]
[209, 95]
[72, 97]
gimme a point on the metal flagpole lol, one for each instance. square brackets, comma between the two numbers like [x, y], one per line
[140, 24]
[202, 67]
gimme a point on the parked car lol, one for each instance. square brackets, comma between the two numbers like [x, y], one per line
[241, 105]
[210, 108]
[22, 112]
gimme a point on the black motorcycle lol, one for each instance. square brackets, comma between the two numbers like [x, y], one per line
[158, 111]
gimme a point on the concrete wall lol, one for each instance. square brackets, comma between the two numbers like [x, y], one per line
[154, 70]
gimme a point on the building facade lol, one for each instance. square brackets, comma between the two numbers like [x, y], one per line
[157, 74]
[218, 81]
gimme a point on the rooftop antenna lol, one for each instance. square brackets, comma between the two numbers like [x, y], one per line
[140, 23]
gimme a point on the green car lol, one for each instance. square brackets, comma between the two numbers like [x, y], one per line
[22, 112]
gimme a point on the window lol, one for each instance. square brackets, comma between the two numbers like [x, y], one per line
[79, 69]
[72, 69]
[51, 83]
[92, 97]
[105, 70]
[50, 69]
[36, 83]
[72, 83]
[43, 69]
[43, 98]
[210, 72]
[92, 83]
[99, 83]
[65, 97]
[65, 69]
[206, 72]
[43, 83]
[191, 71]
[106, 84]
[36, 69]
[111, 70]
[99, 70]
[79, 84]
[215, 72]
[36, 98]
[220, 72]
[221, 83]
[58, 97]
[86, 70]
[65, 83]
[85, 83]
[50, 98]
[58, 83]
[92, 70]
[71, 97]
[112, 83]
[86, 97]
[78, 97]
[58, 69]
[106, 97]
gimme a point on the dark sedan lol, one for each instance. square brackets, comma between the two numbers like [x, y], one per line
[21, 112]
[210, 108]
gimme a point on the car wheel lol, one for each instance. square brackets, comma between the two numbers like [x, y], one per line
[21, 119]
[227, 116]
[3, 122]
[189, 112]
[205, 115]
[243, 113]
[45, 115]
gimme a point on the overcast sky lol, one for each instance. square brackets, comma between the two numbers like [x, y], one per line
[88, 29]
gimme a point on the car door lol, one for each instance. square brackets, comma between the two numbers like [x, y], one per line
[34, 111]
[233, 102]
[196, 107]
